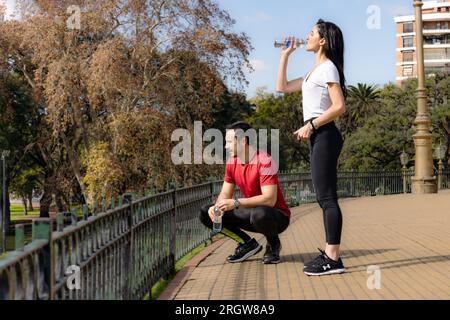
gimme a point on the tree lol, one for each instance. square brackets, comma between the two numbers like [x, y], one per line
[283, 112]
[381, 137]
[16, 126]
[362, 102]
[117, 87]
[438, 91]
[25, 184]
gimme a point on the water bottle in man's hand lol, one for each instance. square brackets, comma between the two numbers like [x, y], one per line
[217, 224]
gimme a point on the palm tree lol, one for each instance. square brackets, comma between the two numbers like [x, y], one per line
[361, 103]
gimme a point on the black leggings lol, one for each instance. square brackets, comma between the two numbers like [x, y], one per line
[266, 220]
[326, 145]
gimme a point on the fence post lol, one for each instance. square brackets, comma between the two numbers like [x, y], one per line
[85, 212]
[352, 182]
[42, 230]
[60, 222]
[20, 237]
[173, 227]
[95, 208]
[128, 199]
[73, 217]
[297, 193]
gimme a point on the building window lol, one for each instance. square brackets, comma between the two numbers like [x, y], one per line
[407, 27]
[407, 56]
[434, 54]
[407, 42]
[435, 40]
[407, 71]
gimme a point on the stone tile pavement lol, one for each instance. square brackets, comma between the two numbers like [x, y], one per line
[406, 236]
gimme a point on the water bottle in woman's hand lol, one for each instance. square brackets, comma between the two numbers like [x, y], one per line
[289, 45]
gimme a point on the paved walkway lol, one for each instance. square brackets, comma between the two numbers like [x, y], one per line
[406, 236]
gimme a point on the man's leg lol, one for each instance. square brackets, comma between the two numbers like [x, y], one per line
[231, 227]
[270, 222]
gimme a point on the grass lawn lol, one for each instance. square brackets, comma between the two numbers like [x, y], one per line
[18, 213]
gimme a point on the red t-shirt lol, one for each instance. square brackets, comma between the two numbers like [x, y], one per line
[249, 177]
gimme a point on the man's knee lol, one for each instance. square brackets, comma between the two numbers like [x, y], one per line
[204, 216]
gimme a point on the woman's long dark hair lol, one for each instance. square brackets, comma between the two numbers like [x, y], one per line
[334, 48]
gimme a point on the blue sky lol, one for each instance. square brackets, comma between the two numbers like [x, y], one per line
[370, 52]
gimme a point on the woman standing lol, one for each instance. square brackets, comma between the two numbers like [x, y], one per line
[323, 90]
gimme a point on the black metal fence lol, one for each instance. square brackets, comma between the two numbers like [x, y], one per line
[123, 251]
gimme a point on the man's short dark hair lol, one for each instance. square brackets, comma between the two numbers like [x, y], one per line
[244, 126]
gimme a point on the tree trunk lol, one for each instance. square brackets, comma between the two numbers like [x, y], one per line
[75, 166]
[24, 201]
[59, 202]
[45, 202]
[30, 202]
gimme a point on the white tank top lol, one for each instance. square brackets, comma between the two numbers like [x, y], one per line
[316, 99]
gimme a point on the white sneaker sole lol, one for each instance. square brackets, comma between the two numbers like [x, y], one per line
[325, 272]
[272, 262]
[248, 255]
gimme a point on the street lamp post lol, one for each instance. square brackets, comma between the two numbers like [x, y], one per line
[424, 180]
[404, 159]
[5, 154]
[440, 153]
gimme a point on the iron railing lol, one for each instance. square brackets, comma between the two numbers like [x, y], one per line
[123, 251]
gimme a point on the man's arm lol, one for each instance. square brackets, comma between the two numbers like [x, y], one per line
[267, 198]
[226, 192]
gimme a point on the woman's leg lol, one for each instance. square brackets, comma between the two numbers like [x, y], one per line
[325, 149]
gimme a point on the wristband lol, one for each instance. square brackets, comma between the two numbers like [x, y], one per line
[312, 125]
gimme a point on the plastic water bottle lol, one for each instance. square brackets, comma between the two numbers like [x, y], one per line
[281, 44]
[217, 224]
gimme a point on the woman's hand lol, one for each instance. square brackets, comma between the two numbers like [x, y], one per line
[304, 132]
[287, 51]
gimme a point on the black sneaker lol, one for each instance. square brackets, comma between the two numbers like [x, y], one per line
[244, 251]
[316, 260]
[323, 265]
[272, 254]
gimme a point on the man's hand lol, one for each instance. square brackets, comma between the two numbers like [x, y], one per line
[226, 204]
[211, 213]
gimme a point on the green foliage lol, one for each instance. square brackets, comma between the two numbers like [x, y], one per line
[282, 112]
[382, 136]
[377, 125]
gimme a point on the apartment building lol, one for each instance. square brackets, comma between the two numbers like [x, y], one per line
[436, 34]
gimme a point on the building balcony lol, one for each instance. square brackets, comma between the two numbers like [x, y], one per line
[436, 31]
